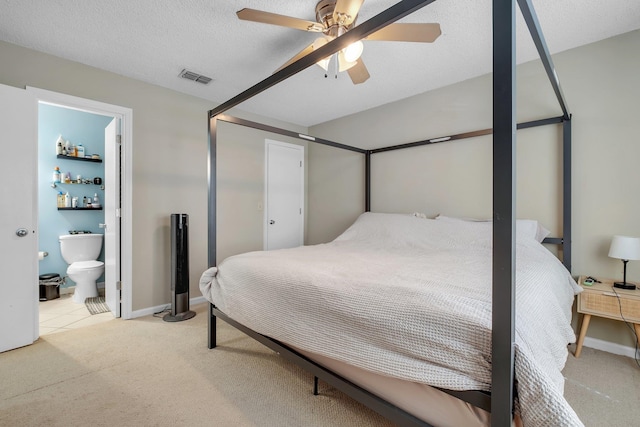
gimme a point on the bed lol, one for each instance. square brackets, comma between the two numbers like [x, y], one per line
[511, 362]
[409, 298]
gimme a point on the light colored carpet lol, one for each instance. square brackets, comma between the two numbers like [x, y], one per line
[603, 389]
[147, 372]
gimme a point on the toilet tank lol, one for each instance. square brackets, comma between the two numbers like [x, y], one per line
[80, 247]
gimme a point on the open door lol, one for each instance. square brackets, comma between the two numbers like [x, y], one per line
[18, 221]
[112, 174]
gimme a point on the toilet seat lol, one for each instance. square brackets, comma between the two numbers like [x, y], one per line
[84, 265]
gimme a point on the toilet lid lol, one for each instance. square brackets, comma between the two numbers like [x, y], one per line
[86, 265]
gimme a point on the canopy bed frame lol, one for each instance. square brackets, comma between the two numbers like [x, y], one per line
[500, 401]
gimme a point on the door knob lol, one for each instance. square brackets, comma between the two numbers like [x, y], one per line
[272, 222]
[21, 232]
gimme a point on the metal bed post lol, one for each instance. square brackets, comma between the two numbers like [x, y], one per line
[367, 181]
[530, 17]
[503, 259]
[212, 217]
[566, 193]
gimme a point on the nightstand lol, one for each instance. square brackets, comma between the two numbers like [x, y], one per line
[600, 299]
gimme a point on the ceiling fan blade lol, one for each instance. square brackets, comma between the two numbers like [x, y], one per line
[425, 33]
[358, 73]
[247, 14]
[304, 52]
[348, 9]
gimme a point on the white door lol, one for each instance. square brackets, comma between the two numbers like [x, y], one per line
[18, 220]
[284, 195]
[112, 217]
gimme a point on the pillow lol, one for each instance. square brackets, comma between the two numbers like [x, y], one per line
[525, 227]
[532, 227]
[419, 215]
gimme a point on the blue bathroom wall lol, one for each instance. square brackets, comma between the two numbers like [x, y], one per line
[80, 128]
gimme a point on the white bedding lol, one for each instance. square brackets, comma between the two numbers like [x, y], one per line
[410, 298]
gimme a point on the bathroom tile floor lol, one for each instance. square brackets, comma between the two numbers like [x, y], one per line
[62, 314]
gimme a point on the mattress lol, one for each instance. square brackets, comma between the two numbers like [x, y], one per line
[420, 400]
[410, 298]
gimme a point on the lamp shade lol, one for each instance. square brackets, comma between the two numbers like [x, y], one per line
[623, 247]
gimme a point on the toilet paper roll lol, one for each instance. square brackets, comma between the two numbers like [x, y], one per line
[41, 255]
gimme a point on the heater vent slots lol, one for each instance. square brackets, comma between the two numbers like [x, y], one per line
[190, 75]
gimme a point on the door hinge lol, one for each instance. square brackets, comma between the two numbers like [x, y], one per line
[118, 285]
[118, 139]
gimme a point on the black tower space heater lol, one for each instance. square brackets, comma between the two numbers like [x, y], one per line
[179, 269]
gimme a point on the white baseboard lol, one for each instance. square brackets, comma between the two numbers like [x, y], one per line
[197, 300]
[610, 347]
[159, 308]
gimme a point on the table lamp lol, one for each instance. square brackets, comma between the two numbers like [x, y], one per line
[625, 248]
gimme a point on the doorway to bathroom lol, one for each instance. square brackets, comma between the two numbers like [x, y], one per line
[97, 185]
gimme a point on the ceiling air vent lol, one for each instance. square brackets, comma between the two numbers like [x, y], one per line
[190, 75]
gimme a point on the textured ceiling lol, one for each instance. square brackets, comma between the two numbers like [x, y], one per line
[153, 41]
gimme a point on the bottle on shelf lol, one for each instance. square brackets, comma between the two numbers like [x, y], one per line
[96, 201]
[80, 150]
[67, 200]
[68, 147]
[59, 144]
[60, 199]
[56, 175]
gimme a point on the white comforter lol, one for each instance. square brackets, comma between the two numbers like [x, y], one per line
[410, 298]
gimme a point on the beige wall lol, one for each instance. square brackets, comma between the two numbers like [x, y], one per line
[336, 191]
[240, 187]
[170, 149]
[600, 82]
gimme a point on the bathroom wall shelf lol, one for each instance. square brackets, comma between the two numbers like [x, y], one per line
[55, 184]
[74, 183]
[80, 209]
[82, 159]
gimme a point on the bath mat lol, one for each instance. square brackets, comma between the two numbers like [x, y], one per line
[96, 305]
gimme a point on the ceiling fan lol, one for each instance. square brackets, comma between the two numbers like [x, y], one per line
[334, 18]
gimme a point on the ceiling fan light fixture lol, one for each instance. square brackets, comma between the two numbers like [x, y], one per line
[353, 51]
[324, 63]
[317, 44]
[343, 64]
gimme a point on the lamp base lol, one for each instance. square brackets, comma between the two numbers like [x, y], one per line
[625, 285]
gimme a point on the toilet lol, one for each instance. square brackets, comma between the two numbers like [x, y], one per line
[81, 252]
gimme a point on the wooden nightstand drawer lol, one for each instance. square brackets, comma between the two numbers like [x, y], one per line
[606, 304]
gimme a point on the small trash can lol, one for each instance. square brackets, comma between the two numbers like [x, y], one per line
[49, 286]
